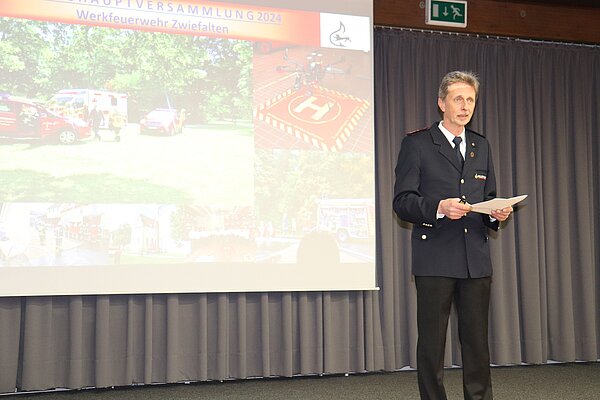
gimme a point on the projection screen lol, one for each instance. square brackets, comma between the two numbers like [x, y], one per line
[152, 146]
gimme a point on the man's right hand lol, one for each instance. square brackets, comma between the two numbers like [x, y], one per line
[453, 208]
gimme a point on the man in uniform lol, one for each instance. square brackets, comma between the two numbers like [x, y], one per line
[116, 123]
[440, 171]
[95, 119]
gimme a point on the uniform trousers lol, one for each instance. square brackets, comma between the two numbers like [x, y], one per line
[471, 298]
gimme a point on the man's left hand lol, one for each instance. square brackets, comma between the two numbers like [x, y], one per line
[502, 214]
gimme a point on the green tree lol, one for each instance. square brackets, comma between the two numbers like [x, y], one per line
[210, 77]
[291, 182]
[22, 46]
[181, 224]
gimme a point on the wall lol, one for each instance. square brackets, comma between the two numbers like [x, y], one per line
[502, 18]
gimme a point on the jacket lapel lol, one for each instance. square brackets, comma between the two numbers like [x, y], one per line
[444, 146]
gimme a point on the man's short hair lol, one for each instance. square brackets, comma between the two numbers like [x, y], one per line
[468, 77]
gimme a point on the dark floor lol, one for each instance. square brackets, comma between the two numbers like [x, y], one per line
[579, 381]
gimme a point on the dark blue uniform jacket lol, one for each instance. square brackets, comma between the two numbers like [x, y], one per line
[427, 171]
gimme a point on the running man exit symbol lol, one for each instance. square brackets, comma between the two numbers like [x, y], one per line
[446, 13]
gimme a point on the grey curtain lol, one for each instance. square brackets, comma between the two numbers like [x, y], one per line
[539, 107]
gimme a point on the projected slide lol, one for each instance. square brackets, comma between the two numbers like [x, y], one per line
[185, 146]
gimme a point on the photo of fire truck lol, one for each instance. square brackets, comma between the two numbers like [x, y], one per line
[27, 119]
[347, 218]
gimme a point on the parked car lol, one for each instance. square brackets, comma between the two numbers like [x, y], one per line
[22, 118]
[162, 121]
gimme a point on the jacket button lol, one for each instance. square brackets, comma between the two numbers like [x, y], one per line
[462, 181]
[423, 237]
[466, 230]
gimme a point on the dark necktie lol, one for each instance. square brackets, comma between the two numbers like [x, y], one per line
[459, 156]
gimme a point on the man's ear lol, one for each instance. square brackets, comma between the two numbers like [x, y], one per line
[441, 105]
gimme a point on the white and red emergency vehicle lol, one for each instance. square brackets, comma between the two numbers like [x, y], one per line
[77, 102]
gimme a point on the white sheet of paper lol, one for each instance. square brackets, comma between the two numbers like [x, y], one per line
[486, 207]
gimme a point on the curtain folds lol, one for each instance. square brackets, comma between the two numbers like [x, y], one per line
[539, 107]
[101, 341]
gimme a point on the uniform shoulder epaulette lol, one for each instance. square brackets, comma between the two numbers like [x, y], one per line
[417, 131]
[476, 133]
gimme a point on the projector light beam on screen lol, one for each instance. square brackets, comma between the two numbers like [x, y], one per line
[185, 146]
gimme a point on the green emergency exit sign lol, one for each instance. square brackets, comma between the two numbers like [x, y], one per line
[446, 13]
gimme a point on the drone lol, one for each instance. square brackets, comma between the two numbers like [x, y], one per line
[308, 75]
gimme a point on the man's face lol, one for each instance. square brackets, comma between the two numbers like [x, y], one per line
[458, 106]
